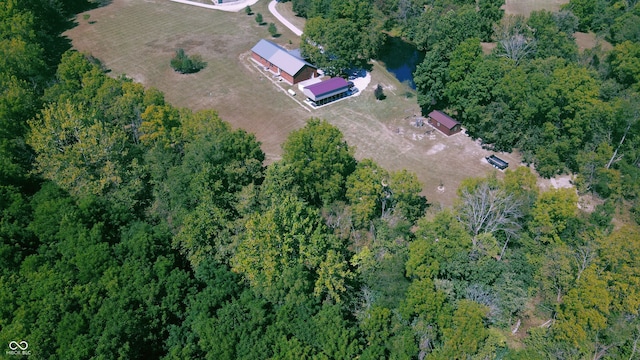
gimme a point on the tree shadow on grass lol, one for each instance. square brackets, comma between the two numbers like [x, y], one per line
[101, 3]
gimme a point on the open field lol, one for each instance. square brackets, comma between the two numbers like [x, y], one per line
[395, 143]
[139, 38]
[525, 7]
[590, 40]
[286, 9]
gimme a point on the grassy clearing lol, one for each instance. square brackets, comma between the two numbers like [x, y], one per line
[139, 39]
[590, 40]
[286, 9]
[525, 7]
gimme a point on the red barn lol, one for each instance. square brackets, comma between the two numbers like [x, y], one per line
[444, 123]
[287, 64]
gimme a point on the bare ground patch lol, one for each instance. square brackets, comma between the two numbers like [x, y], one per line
[525, 7]
[487, 47]
[590, 40]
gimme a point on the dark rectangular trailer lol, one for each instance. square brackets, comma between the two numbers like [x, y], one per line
[497, 162]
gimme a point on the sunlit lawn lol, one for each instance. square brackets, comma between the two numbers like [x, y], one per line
[139, 38]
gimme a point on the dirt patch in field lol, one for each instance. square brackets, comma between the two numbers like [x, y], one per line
[487, 47]
[436, 149]
[590, 41]
[525, 7]
[557, 182]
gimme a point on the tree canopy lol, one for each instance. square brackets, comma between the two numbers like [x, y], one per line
[134, 229]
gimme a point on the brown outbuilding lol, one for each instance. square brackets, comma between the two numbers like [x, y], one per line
[443, 122]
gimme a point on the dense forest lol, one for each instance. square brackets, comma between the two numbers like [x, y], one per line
[133, 229]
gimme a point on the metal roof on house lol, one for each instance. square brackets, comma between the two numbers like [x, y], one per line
[443, 119]
[326, 88]
[280, 57]
[296, 53]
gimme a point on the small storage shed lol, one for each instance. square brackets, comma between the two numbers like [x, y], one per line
[288, 64]
[497, 162]
[443, 122]
[327, 91]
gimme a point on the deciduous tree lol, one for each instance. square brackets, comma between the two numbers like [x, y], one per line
[320, 161]
[272, 29]
[551, 214]
[489, 209]
[79, 152]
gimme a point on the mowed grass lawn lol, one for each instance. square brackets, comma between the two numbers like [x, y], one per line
[138, 38]
[286, 9]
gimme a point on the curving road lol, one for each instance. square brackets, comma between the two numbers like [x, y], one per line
[285, 22]
[232, 7]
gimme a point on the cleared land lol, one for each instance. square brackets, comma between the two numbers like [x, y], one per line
[138, 38]
[590, 40]
[525, 7]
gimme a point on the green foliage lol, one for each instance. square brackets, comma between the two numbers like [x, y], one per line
[585, 11]
[624, 60]
[335, 338]
[518, 96]
[443, 30]
[625, 27]
[186, 64]
[490, 13]
[405, 194]
[300, 7]
[83, 154]
[159, 124]
[436, 242]
[146, 231]
[383, 278]
[583, 311]
[16, 241]
[467, 332]
[340, 35]
[248, 11]
[272, 29]
[367, 192]
[17, 103]
[550, 39]
[430, 78]
[427, 303]
[259, 19]
[618, 252]
[551, 214]
[556, 273]
[320, 161]
[290, 235]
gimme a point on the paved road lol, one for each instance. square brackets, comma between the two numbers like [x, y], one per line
[194, 3]
[233, 6]
[285, 22]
